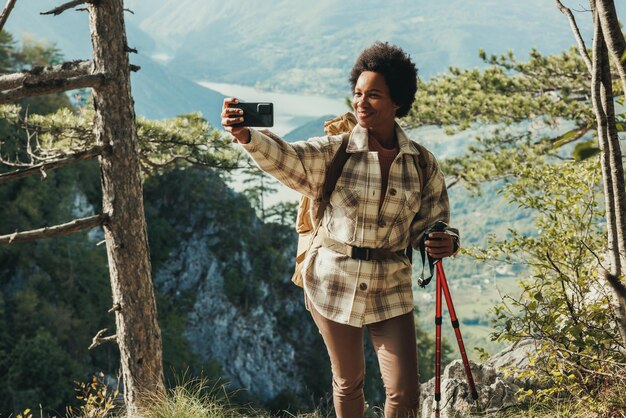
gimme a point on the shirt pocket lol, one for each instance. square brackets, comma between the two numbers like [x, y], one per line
[344, 205]
[400, 231]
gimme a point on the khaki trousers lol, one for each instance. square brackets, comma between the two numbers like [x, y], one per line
[395, 345]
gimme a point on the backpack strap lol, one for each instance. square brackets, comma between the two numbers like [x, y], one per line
[420, 165]
[332, 175]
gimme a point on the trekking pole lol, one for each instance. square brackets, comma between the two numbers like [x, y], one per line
[442, 286]
[438, 320]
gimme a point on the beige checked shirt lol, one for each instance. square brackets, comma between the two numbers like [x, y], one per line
[341, 288]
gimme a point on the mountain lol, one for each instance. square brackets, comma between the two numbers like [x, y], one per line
[309, 129]
[295, 45]
[158, 92]
[310, 46]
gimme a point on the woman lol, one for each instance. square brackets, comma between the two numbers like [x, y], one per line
[377, 205]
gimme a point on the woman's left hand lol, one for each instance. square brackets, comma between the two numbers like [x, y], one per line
[439, 245]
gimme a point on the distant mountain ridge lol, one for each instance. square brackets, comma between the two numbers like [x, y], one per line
[158, 92]
[297, 45]
[308, 130]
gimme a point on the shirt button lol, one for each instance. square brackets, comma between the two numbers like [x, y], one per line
[392, 192]
[363, 286]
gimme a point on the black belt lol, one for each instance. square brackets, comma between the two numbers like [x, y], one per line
[361, 253]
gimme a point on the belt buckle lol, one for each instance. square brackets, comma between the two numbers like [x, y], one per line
[361, 253]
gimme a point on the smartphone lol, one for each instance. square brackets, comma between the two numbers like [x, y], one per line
[257, 114]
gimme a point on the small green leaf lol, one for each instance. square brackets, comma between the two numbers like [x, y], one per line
[586, 150]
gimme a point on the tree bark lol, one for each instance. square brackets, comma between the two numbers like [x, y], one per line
[582, 49]
[616, 45]
[6, 12]
[138, 333]
[613, 37]
[602, 100]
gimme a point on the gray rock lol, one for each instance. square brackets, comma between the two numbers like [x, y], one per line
[248, 345]
[496, 389]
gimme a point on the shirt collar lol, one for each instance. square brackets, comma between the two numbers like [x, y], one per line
[358, 141]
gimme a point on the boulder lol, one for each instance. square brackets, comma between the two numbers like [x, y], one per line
[496, 389]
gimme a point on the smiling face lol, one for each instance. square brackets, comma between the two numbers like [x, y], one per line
[372, 103]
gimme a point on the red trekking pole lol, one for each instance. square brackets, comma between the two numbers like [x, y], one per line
[442, 286]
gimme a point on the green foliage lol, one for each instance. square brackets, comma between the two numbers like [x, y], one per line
[31, 54]
[62, 284]
[177, 354]
[533, 109]
[59, 285]
[39, 359]
[525, 104]
[96, 398]
[182, 140]
[585, 150]
[36, 53]
[282, 213]
[251, 253]
[546, 88]
[259, 185]
[563, 305]
[187, 138]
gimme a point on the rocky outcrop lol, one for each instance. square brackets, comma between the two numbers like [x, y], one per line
[248, 344]
[259, 339]
[496, 389]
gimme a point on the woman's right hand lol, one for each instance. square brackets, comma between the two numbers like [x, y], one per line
[231, 116]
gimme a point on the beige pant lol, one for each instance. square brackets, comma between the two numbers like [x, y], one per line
[395, 345]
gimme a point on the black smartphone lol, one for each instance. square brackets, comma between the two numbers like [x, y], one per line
[257, 114]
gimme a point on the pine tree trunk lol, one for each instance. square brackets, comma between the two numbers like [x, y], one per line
[616, 45]
[138, 333]
[613, 36]
[612, 171]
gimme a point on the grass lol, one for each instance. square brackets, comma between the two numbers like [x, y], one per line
[190, 398]
[198, 398]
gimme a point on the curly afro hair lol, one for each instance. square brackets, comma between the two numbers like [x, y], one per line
[396, 66]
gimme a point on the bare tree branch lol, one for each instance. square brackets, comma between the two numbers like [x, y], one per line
[98, 339]
[55, 231]
[579, 39]
[52, 86]
[42, 74]
[558, 141]
[6, 12]
[61, 162]
[115, 308]
[58, 10]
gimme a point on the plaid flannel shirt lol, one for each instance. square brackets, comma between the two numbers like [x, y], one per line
[343, 289]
